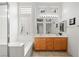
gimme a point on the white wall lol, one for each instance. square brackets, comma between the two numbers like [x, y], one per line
[3, 30]
[25, 22]
[13, 17]
[70, 10]
[3, 24]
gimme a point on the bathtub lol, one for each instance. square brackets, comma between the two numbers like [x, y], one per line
[28, 40]
[21, 48]
[16, 49]
[3, 50]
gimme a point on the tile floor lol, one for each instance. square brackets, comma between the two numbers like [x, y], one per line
[50, 54]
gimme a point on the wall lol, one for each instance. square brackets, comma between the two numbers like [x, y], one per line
[14, 21]
[3, 29]
[13, 17]
[3, 24]
[25, 22]
[70, 10]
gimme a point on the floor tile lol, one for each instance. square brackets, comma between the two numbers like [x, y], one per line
[50, 54]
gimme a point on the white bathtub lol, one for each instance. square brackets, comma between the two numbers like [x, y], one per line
[3, 50]
[16, 49]
[21, 48]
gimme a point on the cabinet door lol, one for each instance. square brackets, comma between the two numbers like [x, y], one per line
[49, 44]
[40, 44]
[60, 44]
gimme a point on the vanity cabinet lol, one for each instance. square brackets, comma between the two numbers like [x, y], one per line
[50, 43]
[40, 44]
[60, 43]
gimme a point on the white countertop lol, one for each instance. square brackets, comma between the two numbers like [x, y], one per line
[50, 35]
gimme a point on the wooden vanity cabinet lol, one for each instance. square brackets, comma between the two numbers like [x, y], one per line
[50, 43]
[60, 43]
[40, 44]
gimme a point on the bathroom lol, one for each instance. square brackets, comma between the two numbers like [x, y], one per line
[35, 29]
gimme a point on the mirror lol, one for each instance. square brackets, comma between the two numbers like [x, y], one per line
[63, 26]
[48, 28]
[39, 28]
